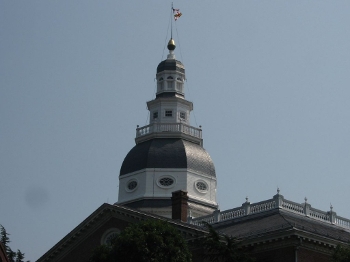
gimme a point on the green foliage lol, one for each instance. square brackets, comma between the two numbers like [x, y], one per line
[5, 240]
[341, 254]
[102, 253]
[155, 241]
[19, 256]
[223, 248]
[12, 256]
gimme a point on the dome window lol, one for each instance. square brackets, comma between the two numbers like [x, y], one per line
[201, 186]
[170, 78]
[179, 79]
[166, 181]
[131, 186]
[160, 79]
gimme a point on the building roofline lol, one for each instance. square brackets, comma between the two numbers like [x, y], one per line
[101, 213]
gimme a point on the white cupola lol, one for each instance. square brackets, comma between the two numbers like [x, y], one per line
[169, 154]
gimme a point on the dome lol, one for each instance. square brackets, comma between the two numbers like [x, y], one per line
[168, 153]
[171, 64]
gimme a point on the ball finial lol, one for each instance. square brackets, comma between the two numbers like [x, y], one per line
[171, 44]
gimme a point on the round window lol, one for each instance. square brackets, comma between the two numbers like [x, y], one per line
[109, 236]
[201, 186]
[131, 186]
[166, 181]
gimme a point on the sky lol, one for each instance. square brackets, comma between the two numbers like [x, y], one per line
[269, 81]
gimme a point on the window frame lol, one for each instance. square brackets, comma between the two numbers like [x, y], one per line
[184, 114]
[155, 113]
[168, 113]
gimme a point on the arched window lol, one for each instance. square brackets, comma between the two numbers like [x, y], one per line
[179, 84]
[160, 83]
[170, 83]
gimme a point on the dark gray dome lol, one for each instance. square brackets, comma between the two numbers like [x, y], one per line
[168, 153]
[170, 64]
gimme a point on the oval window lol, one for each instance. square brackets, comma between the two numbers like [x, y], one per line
[132, 185]
[166, 181]
[201, 186]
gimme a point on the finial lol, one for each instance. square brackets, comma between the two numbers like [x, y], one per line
[171, 45]
[305, 200]
[246, 199]
[331, 207]
[278, 190]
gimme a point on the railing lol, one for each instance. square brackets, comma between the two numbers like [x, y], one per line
[342, 222]
[277, 202]
[232, 213]
[210, 219]
[293, 207]
[262, 206]
[168, 127]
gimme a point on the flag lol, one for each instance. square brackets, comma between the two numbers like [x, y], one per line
[177, 13]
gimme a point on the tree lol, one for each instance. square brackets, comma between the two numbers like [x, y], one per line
[19, 256]
[341, 254]
[12, 256]
[223, 248]
[152, 240]
[5, 240]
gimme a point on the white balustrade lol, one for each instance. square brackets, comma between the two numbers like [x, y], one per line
[262, 206]
[168, 127]
[277, 202]
[232, 213]
[293, 207]
[319, 215]
[342, 222]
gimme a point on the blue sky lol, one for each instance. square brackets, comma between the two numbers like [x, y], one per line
[269, 81]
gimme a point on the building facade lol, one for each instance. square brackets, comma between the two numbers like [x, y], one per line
[169, 176]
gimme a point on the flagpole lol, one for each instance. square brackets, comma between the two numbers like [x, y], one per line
[171, 13]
